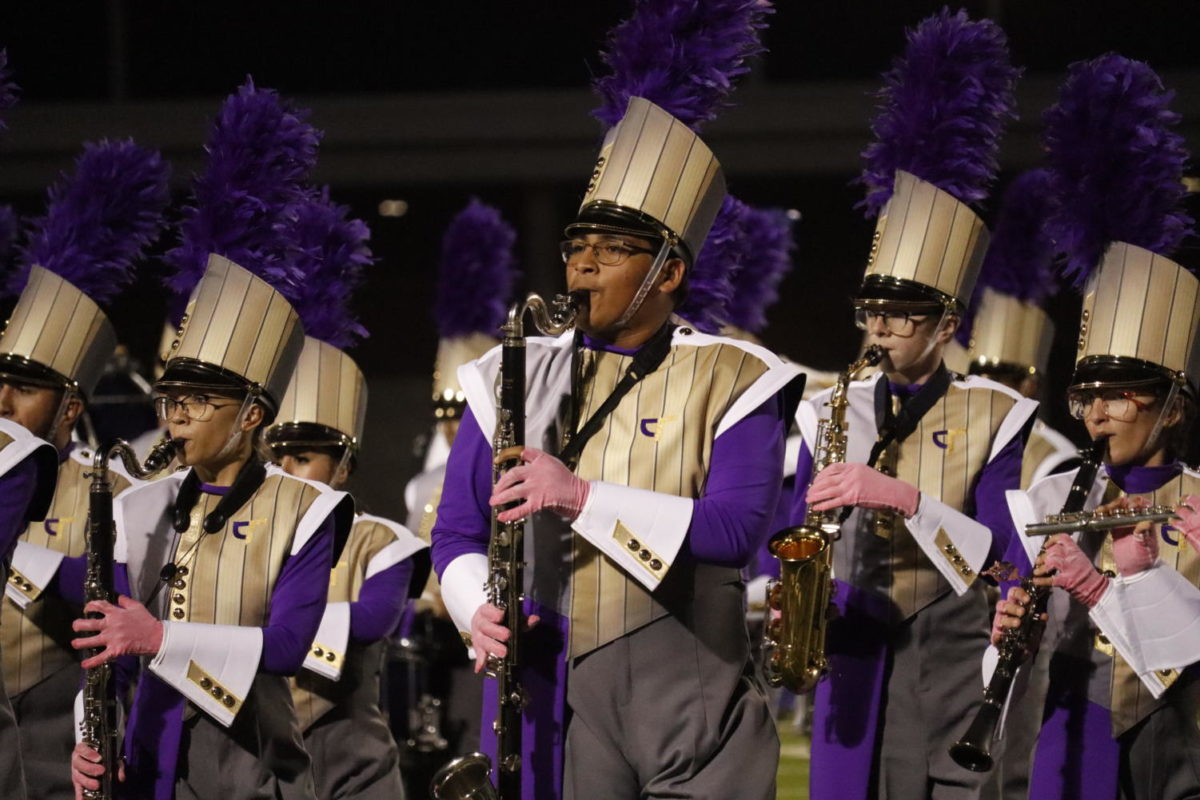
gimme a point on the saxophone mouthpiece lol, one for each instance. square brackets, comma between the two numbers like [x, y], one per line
[874, 354]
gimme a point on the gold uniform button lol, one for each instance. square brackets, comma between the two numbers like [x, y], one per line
[182, 571]
[27, 586]
[644, 555]
[318, 652]
[1164, 672]
[178, 598]
[655, 564]
[218, 692]
[633, 544]
[330, 656]
[1108, 573]
[177, 613]
[205, 684]
[229, 701]
[180, 583]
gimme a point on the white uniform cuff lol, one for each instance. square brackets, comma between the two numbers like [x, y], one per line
[956, 544]
[327, 655]
[213, 666]
[1153, 620]
[32, 569]
[463, 580]
[640, 530]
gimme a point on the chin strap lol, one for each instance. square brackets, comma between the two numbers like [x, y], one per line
[1156, 431]
[648, 283]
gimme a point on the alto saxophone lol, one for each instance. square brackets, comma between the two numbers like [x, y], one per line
[973, 750]
[794, 644]
[98, 727]
[468, 777]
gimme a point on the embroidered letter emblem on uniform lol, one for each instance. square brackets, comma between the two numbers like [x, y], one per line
[1166, 537]
[243, 529]
[945, 438]
[48, 524]
[653, 426]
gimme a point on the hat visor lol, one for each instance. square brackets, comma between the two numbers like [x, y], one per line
[883, 290]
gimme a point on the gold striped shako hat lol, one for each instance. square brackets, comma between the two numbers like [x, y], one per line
[325, 404]
[237, 332]
[1009, 334]
[654, 178]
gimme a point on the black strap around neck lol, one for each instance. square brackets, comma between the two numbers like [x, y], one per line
[645, 361]
[896, 427]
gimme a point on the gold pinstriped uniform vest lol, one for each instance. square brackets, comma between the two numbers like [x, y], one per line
[658, 438]
[228, 578]
[1131, 701]
[942, 458]
[36, 642]
[1037, 449]
[314, 695]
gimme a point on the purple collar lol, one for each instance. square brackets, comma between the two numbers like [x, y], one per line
[65, 453]
[905, 390]
[209, 488]
[596, 344]
[1136, 479]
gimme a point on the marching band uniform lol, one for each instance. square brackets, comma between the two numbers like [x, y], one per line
[251, 580]
[683, 473]
[1114, 725]
[912, 618]
[337, 693]
[59, 337]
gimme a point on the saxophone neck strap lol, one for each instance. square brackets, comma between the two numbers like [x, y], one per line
[645, 361]
[896, 427]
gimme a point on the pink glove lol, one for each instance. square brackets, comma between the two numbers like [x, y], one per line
[859, 485]
[542, 482]
[1189, 520]
[1074, 570]
[1135, 549]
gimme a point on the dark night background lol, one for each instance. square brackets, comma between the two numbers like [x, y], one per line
[433, 103]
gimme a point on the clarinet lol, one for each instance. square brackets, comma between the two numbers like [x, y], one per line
[973, 750]
[468, 778]
[98, 728]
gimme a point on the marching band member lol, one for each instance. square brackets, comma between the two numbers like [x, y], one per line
[1114, 725]
[52, 354]
[930, 454]
[316, 436]
[223, 567]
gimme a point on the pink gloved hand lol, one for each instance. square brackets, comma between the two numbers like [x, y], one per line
[1135, 548]
[125, 629]
[859, 485]
[1072, 570]
[542, 482]
[1189, 520]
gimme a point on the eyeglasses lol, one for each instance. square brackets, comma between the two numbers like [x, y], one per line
[196, 407]
[1122, 406]
[898, 323]
[608, 253]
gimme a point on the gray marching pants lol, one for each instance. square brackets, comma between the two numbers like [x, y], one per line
[46, 715]
[659, 713]
[1160, 756]
[12, 776]
[354, 757]
[214, 766]
[933, 691]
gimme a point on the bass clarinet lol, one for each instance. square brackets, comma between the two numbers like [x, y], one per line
[973, 750]
[794, 644]
[98, 727]
[468, 777]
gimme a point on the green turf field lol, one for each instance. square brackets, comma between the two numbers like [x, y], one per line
[793, 763]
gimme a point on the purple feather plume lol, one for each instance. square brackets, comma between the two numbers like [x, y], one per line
[476, 274]
[100, 220]
[767, 253]
[717, 269]
[682, 55]
[8, 89]
[1116, 162]
[1020, 256]
[942, 110]
[323, 266]
[260, 154]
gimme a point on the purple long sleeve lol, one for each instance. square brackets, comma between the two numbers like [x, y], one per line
[804, 468]
[729, 520]
[298, 603]
[17, 487]
[380, 603]
[464, 516]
